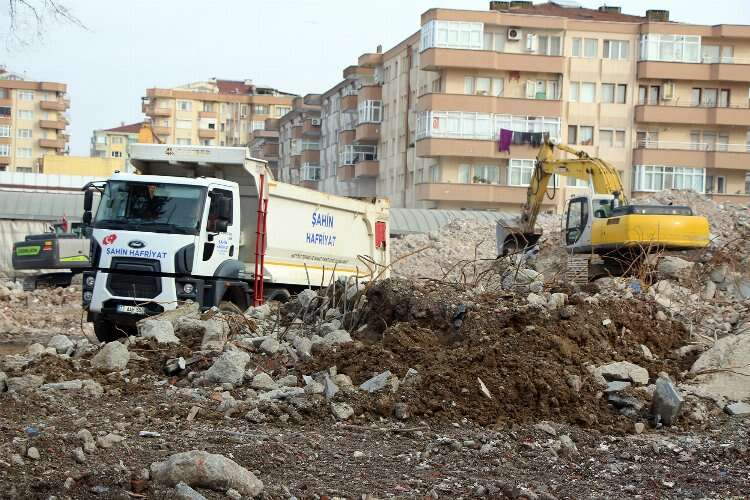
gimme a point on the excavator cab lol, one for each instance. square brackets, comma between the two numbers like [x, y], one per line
[582, 214]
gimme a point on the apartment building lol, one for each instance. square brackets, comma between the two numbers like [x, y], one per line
[214, 112]
[113, 143]
[299, 142]
[32, 121]
[264, 143]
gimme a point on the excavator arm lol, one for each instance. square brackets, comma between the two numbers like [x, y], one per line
[602, 175]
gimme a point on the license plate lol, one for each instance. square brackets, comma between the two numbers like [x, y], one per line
[131, 309]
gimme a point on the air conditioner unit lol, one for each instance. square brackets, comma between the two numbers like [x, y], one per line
[514, 34]
[667, 91]
[315, 122]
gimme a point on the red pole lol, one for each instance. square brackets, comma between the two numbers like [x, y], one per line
[259, 249]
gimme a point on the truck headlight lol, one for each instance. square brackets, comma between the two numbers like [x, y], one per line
[87, 296]
[188, 288]
[90, 281]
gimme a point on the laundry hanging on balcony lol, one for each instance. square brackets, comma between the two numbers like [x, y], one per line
[508, 137]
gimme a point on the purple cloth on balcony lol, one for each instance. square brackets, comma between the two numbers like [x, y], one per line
[506, 136]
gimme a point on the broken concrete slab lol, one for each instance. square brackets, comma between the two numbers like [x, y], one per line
[623, 370]
[114, 356]
[738, 409]
[727, 368]
[666, 402]
[229, 368]
[160, 330]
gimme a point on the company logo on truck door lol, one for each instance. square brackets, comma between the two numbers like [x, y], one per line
[132, 252]
[109, 239]
[320, 222]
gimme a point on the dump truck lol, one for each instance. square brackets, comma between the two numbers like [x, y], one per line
[211, 225]
[57, 255]
[605, 233]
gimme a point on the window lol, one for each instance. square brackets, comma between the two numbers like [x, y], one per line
[217, 196]
[370, 111]
[25, 95]
[257, 125]
[616, 49]
[654, 93]
[614, 93]
[101, 139]
[520, 172]
[4, 149]
[310, 172]
[116, 139]
[452, 34]
[435, 174]
[184, 105]
[724, 98]
[116, 154]
[721, 185]
[572, 134]
[208, 107]
[478, 174]
[498, 87]
[671, 48]
[24, 133]
[612, 138]
[482, 126]
[184, 142]
[710, 97]
[261, 109]
[483, 86]
[24, 170]
[282, 110]
[588, 92]
[659, 177]
[5, 111]
[23, 152]
[25, 114]
[586, 135]
[590, 48]
[4, 130]
[549, 45]
[184, 124]
[574, 92]
[695, 97]
[576, 47]
[207, 142]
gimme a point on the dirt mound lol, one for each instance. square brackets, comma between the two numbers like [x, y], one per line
[525, 356]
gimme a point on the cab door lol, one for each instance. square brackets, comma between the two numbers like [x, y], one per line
[578, 224]
[220, 231]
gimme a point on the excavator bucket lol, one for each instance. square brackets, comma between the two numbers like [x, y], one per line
[510, 239]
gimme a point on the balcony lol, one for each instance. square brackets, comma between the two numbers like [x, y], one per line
[475, 193]
[4, 160]
[435, 59]
[207, 133]
[266, 134]
[161, 130]
[370, 59]
[52, 143]
[346, 137]
[53, 86]
[370, 93]
[207, 114]
[489, 104]
[470, 148]
[738, 71]
[366, 168]
[697, 155]
[5, 120]
[693, 115]
[5, 140]
[349, 103]
[6, 102]
[270, 150]
[52, 124]
[309, 184]
[369, 132]
[309, 129]
[345, 173]
[154, 111]
[53, 105]
[311, 156]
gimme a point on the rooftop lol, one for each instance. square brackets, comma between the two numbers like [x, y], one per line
[574, 12]
[133, 128]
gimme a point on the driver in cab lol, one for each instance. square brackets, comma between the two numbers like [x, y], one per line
[147, 205]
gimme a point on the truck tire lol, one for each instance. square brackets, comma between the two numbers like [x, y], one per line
[105, 331]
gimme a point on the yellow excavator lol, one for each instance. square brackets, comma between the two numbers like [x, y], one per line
[603, 223]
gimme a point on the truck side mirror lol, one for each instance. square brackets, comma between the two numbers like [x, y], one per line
[88, 200]
[87, 218]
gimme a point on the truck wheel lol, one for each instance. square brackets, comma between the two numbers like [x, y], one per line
[105, 331]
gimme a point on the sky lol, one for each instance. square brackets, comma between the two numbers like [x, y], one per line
[299, 46]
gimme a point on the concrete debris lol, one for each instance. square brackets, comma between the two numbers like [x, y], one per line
[377, 383]
[616, 386]
[160, 330]
[109, 440]
[69, 385]
[264, 382]
[411, 378]
[229, 368]
[723, 371]
[62, 344]
[673, 267]
[270, 346]
[342, 411]
[33, 453]
[484, 389]
[206, 470]
[336, 337]
[666, 402]
[305, 297]
[113, 357]
[24, 383]
[738, 409]
[624, 370]
[282, 393]
[185, 492]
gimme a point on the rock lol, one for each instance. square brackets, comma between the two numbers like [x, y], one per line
[731, 356]
[738, 409]
[557, 300]
[263, 381]
[270, 346]
[303, 345]
[113, 357]
[260, 312]
[233, 494]
[606, 322]
[666, 402]
[401, 411]
[109, 440]
[674, 267]
[160, 330]
[32, 453]
[574, 382]
[719, 273]
[567, 446]
[546, 428]
[661, 316]
[206, 470]
[282, 393]
[36, 349]
[69, 385]
[343, 380]
[228, 368]
[568, 311]
[329, 387]
[92, 388]
[17, 459]
[639, 427]
[487, 449]
[313, 387]
[616, 386]
[709, 290]
[79, 456]
[646, 352]
[255, 416]
[376, 383]
[287, 381]
[336, 337]
[185, 492]
[25, 383]
[411, 378]
[305, 297]
[536, 300]
[212, 332]
[523, 280]
[62, 344]
[624, 370]
[341, 411]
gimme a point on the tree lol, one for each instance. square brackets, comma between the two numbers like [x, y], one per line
[27, 19]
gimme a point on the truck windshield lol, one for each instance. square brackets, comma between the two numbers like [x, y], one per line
[151, 207]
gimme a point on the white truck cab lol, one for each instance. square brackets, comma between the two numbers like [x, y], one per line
[209, 224]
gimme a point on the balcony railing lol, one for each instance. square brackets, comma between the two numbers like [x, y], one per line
[694, 146]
